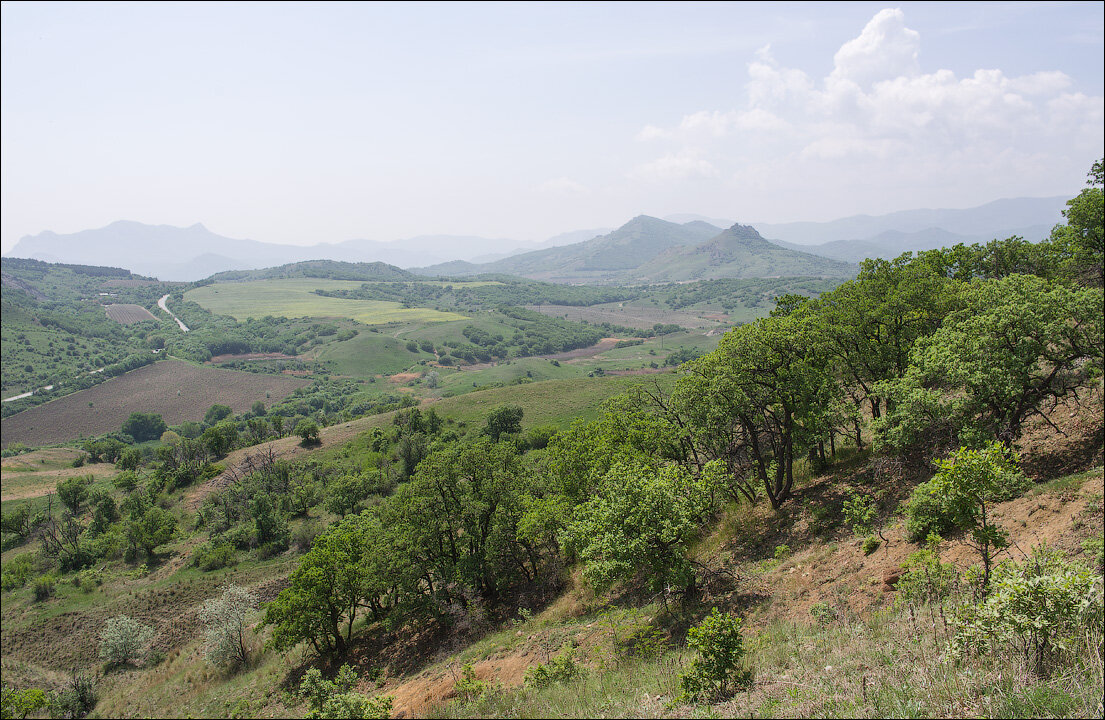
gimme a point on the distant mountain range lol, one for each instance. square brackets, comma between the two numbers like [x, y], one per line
[643, 249]
[647, 249]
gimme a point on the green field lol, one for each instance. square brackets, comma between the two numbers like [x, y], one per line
[368, 354]
[292, 298]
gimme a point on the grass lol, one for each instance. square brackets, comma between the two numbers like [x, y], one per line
[877, 667]
[293, 298]
[368, 354]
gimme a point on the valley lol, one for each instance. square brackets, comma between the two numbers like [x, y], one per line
[348, 489]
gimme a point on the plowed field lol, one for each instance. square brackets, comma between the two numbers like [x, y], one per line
[174, 389]
[125, 314]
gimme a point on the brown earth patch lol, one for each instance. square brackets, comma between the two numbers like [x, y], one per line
[400, 378]
[127, 314]
[174, 389]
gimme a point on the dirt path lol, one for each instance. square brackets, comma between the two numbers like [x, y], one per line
[165, 306]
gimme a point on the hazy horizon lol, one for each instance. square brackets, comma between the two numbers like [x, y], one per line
[300, 125]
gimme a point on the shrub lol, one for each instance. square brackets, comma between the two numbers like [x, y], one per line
[224, 620]
[716, 673]
[214, 555]
[823, 613]
[926, 579]
[560, 669]
[870, 544]
[44, 588]
[1041, 609]
[859, 514]
[123, 639]
[927, 513]
[334, 699]
[21, 703]
[75, 699]
[469, 687]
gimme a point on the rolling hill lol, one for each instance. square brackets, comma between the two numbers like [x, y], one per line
[739, 252]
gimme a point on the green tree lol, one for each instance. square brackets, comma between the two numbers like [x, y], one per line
[642, 519]
[216, 413]
[758, 401]
[308, 432]
[503, 420]
[1019, 344]
[971, 482]
[151, 528]
[1079, 246]
[144, 426]
[73, 492]
[325, 591]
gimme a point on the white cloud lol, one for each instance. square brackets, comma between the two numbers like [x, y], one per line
[563, 186]
[885, 49]
[877, 121]
[681, 165]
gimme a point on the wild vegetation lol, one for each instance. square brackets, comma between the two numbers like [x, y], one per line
[882, 500]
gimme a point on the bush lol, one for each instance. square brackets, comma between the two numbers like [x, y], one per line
[123, 639]
[75, 699]
[469, 687]
[1042, 609]
[560, 669]
[716, 673]
[926, 579]
[214, 555]
[21, 703]
[44, 588]
[334, 699]
[927, 513]
[224, 620]
[870, 544]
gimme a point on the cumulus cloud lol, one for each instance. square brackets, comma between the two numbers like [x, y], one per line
[877, 113]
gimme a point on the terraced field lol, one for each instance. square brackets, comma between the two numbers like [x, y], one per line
[293, 298]
[176, 390]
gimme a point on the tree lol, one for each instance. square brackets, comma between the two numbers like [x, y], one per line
[716, 672]
[258, 408]
[215, 413]
[971, 482]
[224, 620]
[336, 699]
[308, 431]
[1079, 245]
[758, 401]
[503, 420]
[144, 426]
[73, 492]
[155, 526]
[1019, 344]
[324, 592]
[123, 639]
[642, 520]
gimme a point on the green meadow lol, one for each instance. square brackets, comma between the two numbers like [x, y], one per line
[293, 298]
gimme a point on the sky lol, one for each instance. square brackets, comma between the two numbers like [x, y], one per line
[304, 123]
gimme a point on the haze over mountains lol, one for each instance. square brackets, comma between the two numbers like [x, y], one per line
[679, 247]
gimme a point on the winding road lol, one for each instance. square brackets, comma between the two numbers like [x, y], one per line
[164, 306]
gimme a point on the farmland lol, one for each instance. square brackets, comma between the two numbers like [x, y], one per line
[293, 298]
[126, 314]
[176, 390]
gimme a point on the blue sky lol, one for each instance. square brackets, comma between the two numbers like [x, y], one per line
[299, 123]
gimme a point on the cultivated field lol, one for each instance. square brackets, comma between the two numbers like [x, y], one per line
[128, 314]
[176, 390]
[638, 314]
[293, 298]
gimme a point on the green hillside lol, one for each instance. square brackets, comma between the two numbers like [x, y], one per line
[739, 252]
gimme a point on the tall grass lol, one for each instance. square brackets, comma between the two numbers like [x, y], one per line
[887, 665]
